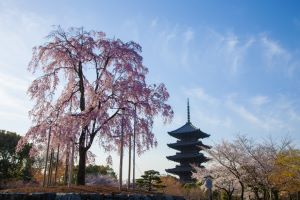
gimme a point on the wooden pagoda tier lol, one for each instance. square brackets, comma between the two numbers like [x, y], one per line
[189, 147]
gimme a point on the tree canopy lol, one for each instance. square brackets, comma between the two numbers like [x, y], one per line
[14, 164]
[150, 180]
[286, 173]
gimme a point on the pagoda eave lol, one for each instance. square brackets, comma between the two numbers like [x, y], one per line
[179, 170]
[180, 145]
[196, 134]
[180, 157]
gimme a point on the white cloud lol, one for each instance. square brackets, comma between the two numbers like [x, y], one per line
[14, 104]
[214, 120]
[245, 114]
[208, 109]
[259, 100]
[9, 82]
[233, 51]
[287, 109]
[227, 53]
[203, 47]
[279, 58]
[12, 116]
[20, 31]
[200, 94]
[273, 48]
[188, 37]
[163, 46]
[273, 119]
[274, 53]
[11, 102]
[273, 116]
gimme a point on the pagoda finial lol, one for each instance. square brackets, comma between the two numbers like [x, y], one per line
[188, 111]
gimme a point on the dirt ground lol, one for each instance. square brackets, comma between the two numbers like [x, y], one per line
[75, 189]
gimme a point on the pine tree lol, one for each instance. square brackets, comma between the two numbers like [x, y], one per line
[150, 181]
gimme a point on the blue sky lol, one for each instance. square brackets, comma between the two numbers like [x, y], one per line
[238, 62]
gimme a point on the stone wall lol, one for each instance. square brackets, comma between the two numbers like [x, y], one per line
[83, 196]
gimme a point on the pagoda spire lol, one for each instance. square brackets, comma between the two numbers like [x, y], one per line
[188, 111]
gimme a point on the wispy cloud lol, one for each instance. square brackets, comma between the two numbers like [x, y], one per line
[20, 31]
[279, 58]
[272, 119]
[10, 82]
[186, 47]
[188, 37]
[200, 94]
[245, 114]
[259, 100]
[274, 53]
[14, 104]
[228, 53]
[231, 49]
[215, 120]
[11, 103]
[259, 112]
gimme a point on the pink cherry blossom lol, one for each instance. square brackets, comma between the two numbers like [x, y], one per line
[86, 83]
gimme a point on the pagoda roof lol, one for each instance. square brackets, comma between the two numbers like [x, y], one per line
[186, 130]
[184, 156]
[179, 169]
[181, 144]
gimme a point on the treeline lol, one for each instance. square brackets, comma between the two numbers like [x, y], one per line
[18, 168]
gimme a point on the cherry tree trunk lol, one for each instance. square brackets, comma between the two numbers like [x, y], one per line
[82, 149]
[242, 190]
[81, 166]
[66, 167]
[229, 194]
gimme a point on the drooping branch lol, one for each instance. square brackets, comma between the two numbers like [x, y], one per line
[101, 76]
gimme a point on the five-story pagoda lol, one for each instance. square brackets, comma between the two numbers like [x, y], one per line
[189, 147]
